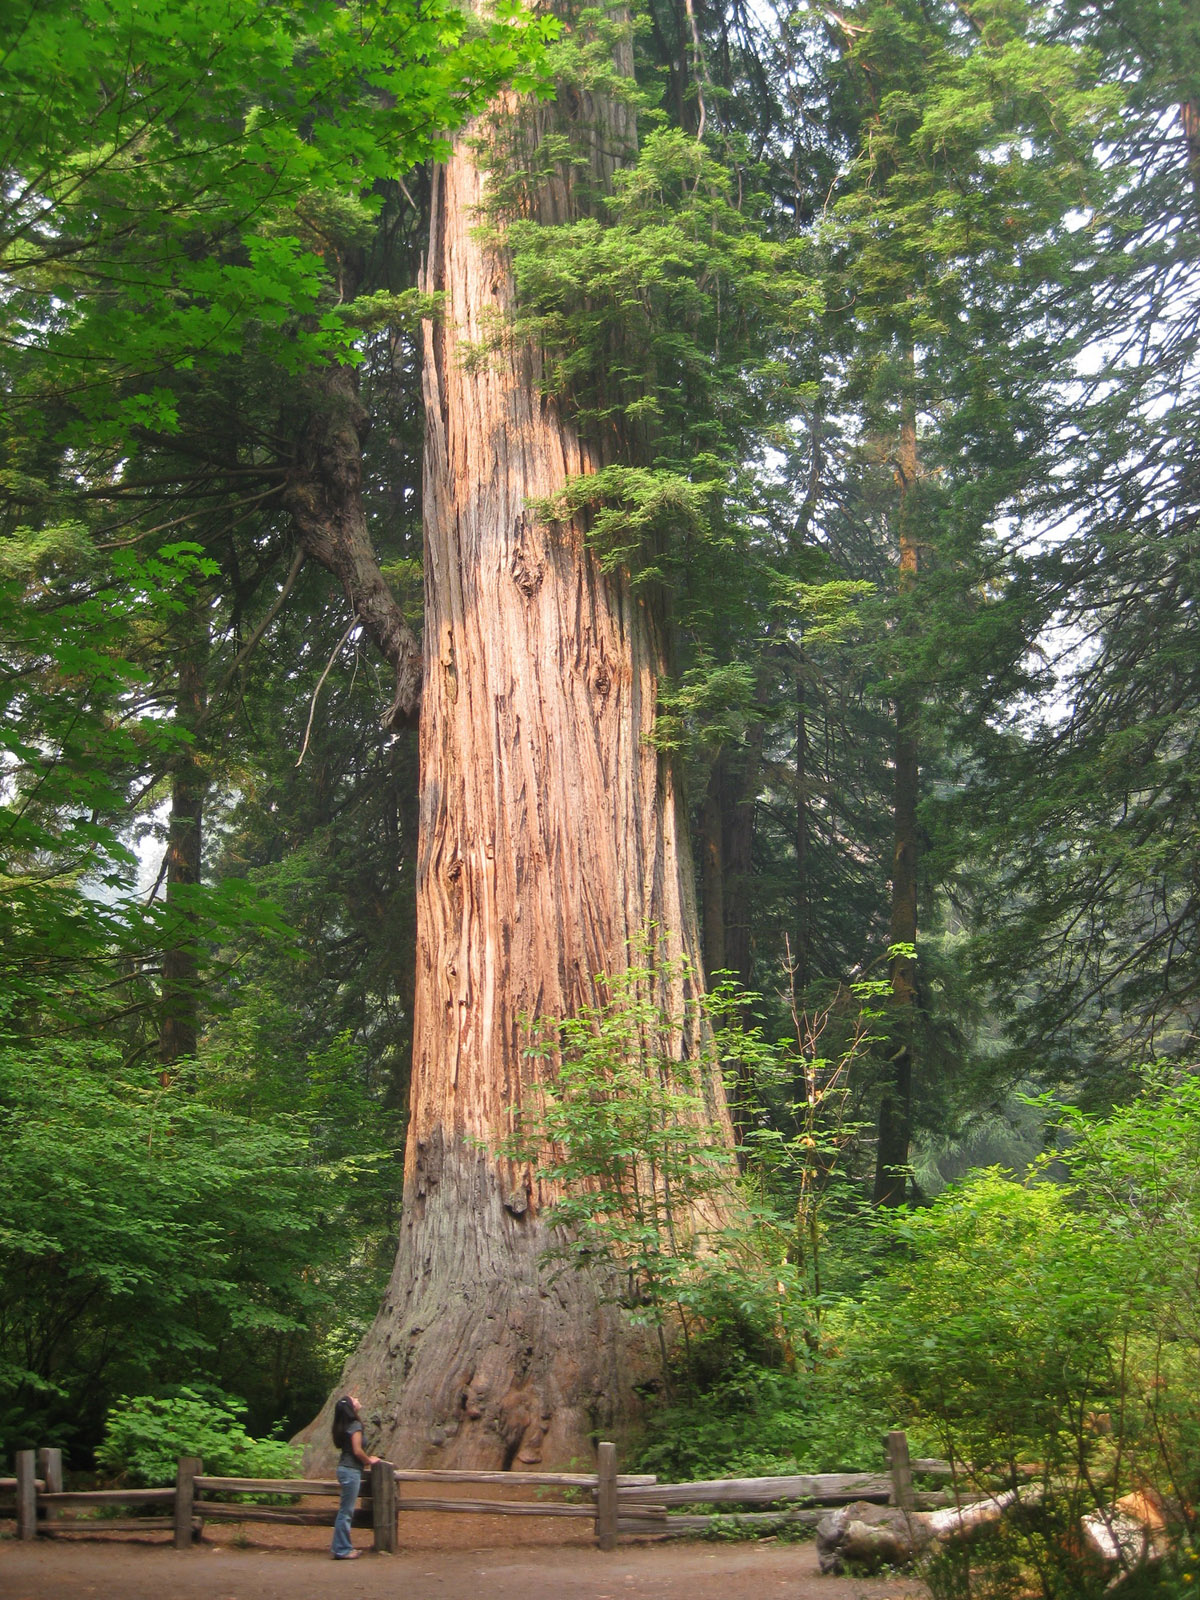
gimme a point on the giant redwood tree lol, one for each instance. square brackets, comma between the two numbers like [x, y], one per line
[551, 833]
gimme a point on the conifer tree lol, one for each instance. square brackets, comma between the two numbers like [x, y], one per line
[552, 839]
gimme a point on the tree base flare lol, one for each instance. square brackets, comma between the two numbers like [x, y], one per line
[485, 1355]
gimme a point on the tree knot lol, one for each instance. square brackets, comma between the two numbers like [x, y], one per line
[527, 576]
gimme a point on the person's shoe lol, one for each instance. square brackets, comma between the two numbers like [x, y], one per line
[351, 1555]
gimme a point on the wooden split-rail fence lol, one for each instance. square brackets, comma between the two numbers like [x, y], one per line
[615, 1503]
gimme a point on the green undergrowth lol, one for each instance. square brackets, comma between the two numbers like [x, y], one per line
[145, 1436]
[1041, 1327]
[754, 1421]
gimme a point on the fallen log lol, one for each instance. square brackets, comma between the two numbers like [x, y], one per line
[873, 1536]
[1129, 1533]
[870, 1536]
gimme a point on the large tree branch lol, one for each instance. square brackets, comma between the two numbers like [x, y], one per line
[324, 498]
[1189, 115]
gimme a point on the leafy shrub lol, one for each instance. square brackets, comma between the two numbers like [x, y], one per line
[1045, 1334]
[145, 1436]
[625, 1122]
[994, 1325]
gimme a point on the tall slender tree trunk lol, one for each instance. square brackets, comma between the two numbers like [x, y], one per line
[178, 1029]
[712, 868]
[727, 840]
[802, 948]
[726, 856]
[550, 836]
[740, 816]
[895, 1110]
[800, 539]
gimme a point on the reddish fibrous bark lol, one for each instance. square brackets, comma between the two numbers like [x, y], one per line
[551, 838]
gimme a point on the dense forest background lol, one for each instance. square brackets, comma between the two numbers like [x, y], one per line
[902, 301]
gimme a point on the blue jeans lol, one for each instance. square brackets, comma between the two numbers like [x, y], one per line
[350, 1481]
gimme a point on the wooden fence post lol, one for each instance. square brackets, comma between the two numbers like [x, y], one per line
[606, 1496]
[50, 1470]
[383, 1506]
[903, 1493]
[26, 1469]
[186, 1473]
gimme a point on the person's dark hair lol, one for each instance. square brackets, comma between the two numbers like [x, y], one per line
[344, 1413]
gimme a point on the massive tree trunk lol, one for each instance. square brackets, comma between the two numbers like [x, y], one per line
[551, 835]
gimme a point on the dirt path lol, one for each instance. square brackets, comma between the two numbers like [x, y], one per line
[112, 1569]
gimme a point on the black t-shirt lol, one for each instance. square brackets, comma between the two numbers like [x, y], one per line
[347, 1457]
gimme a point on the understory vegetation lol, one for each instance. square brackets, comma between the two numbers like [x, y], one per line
[1038, 1330]
[883, 331]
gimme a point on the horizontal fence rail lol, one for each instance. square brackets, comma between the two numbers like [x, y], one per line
[499, 1508]
[108, 1497]
[615, 1503]
[268, 1485]
[601, 1486]
[834, 1488]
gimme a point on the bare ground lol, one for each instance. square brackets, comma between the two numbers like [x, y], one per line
[442, 1558]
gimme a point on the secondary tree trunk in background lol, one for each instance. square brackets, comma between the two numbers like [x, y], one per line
[727, 856]
[895, 1109]
[550, 837]
[739, 883]
[1189, 116]
[726, 844]
[712, 868]
[801, 539]
[178, 1028]
[802, 949]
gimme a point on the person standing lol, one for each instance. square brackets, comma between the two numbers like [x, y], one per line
[348, 1437]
